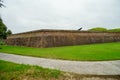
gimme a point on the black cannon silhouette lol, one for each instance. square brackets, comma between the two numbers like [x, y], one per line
[80, 29]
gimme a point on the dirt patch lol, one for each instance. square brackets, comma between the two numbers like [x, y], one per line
[69, 76]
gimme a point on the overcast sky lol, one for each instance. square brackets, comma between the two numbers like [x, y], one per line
[27, 15]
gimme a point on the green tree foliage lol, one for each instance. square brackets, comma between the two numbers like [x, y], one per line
[98, 29]
[3, 30]
[9, 32]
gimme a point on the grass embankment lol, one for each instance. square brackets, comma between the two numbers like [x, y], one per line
[12, 71]
[93, 52]
[101, 29]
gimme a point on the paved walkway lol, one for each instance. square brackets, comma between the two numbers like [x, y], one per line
[81, 67]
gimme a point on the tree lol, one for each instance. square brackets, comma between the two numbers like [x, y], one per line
[3, 30]
[1, 3]
[9, 32]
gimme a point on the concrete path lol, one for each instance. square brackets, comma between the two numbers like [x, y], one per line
[80, 67]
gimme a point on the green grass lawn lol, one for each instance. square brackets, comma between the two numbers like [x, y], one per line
[92, 52]
[12, 71]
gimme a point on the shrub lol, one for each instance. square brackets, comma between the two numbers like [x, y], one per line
[2, 42]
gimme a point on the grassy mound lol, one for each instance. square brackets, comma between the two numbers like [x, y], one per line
[98, 29]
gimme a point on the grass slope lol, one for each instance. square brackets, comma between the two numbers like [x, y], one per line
[93, 52]
[12, 71]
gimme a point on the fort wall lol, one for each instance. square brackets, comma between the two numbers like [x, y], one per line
[55, 38]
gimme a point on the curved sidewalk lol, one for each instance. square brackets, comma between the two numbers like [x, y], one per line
[80, 67]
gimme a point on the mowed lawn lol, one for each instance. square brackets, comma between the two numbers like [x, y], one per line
[92, 52]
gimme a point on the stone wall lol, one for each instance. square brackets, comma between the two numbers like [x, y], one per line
[54, 38]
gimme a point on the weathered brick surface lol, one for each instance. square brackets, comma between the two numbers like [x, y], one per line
[54, 38]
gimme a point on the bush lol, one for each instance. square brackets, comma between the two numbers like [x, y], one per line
[98, 29]
[2, 42]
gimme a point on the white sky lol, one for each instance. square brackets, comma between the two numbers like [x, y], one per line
[27, 15]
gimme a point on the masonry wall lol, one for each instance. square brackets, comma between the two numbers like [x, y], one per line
[54, 38]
